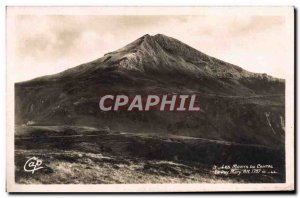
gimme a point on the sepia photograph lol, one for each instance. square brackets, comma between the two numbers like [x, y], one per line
[150, 99]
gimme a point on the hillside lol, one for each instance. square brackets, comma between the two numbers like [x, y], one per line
[236, 105]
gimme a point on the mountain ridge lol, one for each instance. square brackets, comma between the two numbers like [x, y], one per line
[165, 48]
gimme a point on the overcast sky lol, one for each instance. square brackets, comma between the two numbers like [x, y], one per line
[52, 43]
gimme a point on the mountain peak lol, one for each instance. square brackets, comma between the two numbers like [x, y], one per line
[153, 36]
[146, 35]
[162, 54]
[162, 36]
[156, 39]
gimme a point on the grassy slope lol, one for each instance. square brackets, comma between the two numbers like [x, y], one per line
[85, 155]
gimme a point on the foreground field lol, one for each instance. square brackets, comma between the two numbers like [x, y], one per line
[73, 155]
[71, 167]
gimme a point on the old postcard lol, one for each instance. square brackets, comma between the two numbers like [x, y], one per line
[150, 99]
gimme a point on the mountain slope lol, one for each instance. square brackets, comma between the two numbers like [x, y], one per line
[237, 105]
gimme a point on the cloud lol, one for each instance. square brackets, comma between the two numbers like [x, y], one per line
[246, 25]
